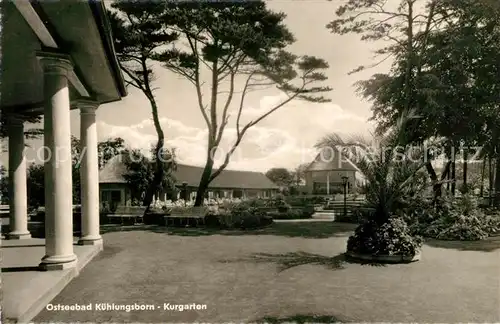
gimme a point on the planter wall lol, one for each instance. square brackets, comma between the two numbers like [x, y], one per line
[385, 258]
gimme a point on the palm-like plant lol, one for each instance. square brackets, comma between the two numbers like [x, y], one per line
[390, 166]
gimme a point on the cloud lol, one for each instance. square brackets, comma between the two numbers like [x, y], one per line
[285, 139]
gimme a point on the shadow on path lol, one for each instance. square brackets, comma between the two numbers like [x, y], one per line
[21, 246]
[290, 260]
[489, 244]
[302, 319]
[20, 269]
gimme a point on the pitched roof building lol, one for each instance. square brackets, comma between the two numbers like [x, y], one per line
[328, 171]
[230, 183]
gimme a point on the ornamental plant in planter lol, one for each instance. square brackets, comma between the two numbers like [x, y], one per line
[392, 178]
[389, 242]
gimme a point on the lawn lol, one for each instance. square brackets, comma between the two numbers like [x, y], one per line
[287, 272]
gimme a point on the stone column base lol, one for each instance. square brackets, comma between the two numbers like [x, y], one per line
[18, 236]
[58, 262]
[90, 241]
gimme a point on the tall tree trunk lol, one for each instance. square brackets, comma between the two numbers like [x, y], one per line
[465, 188]
[497, 183]
[437, 184]
[483, 168]
[490, 180]
[448, 182]
[159, 170]
[410, 56]
[204, 182]
[453, 176]
[213, 142]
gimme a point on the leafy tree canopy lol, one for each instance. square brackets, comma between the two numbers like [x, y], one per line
[280, 176]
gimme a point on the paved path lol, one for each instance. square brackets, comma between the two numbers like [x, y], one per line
[245, 278]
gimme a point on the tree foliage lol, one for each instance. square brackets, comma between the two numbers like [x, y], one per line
[108, 149]
[4, 186]
[141, 172]
[36, 186]
[280, 176]
[138, 35]
[232, 41]
[299, 174]
[445, 68]
[31, 133]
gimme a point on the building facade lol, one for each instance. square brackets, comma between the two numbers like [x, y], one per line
[114, 190]
[324, 176]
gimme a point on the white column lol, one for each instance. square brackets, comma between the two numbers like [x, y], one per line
[58, 167]
[328, 183]
[18, 193]
[89, 174]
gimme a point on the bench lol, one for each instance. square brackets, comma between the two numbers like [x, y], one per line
[127, 215]
[4, 211]
[189, 216]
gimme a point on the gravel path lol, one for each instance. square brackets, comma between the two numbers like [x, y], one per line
[276, 275]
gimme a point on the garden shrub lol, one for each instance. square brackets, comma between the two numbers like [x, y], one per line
[279, 203]
[454, 219]
[307, 211]
[244, 215]
[391, 238]
[294, 213]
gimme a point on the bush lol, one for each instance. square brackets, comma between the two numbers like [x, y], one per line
[391, 238]
[243, 215]
[307, 211]
[279, 203]
[454, 219]
[290, 214]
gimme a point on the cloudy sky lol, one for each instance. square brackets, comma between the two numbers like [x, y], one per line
[286, 138]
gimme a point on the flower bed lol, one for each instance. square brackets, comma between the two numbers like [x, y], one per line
[452, 218]
[389, 241]
[240, 216]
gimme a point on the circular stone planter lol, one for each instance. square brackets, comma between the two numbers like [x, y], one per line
[385, 258]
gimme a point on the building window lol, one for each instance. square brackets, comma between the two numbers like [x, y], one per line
[237, 193]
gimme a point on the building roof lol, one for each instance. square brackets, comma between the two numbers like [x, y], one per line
[114, 170]
[76, 31]
[101, 17]
[329, 159]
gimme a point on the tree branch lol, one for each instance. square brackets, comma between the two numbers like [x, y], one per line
[226, 108]
[138, 83]
[242, 101]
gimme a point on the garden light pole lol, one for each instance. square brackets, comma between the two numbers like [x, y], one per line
[184, 190]
[344, 183]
